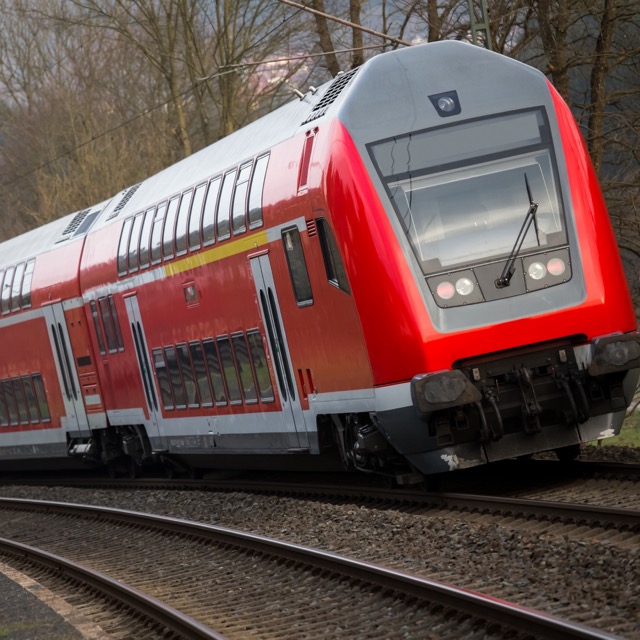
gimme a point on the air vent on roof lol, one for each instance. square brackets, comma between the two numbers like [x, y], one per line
[125, 198]
[86, 223]
[334, 90]
[76, 222]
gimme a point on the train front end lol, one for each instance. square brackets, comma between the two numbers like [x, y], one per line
[485, 270]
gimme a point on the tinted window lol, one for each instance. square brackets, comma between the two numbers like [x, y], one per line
[255, 193]
[26, 284]
[21, 401]
[134, 243]
[17, 287]
[169, 229]
[188, 376]
[123, 247]
[162, 373]
[297, 266]
[181, 225]
[4, 414]
[244, 368]
[43, 407]
[333, 264]
[110, 323]
[215, 372]
[195, 218]
[229, 370]
[259, 360]
[30, 395]
[116, 322]
[156, 234]
[145, 238]
[12, 410]
[175, 377]
[6, 289]
[209, 213]
[97, 326]
[239, 218]
[200, 370]
[224, 208]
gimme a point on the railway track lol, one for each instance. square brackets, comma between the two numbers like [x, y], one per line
[226, 583]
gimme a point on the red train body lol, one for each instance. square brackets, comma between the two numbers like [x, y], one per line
[409, 271]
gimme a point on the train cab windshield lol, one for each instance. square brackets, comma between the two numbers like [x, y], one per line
[460, 191]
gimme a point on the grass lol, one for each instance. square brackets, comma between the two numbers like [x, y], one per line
[629, 435]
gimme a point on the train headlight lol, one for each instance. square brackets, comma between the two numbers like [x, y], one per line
[464, 286]
[445, 290]
[556, 266]
[537, 271]
[446, 104]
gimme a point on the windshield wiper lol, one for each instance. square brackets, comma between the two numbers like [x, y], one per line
[509, 268]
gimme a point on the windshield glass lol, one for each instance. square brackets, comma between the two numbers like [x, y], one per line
[460, 191]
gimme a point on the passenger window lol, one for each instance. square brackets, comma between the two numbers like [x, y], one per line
[116, 322]
[145, 237]
[175, 377]
[224, 208]
[32, 404]
[4, 413]
[169, 228]
[134, 244]
[43, 407]
[200, 370]
[97, 326]
[239, 217]
[336, 273]
[244, 368]
[162, 373]
[183, 220]
[255, 193]
[6, 289]
[26, 284]
[156, 234]
[12, 410]
[123, 247]
[215, 372]
[229, 370]
[17, 287]
[110, 323]
[195, 218]
[188, 376]
[297, 267]
[209, 213]
[259, 360]
[21, 401]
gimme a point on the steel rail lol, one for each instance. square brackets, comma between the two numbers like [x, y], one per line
[512, 616]
[152, 608]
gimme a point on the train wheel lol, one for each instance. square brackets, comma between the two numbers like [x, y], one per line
[569, 453]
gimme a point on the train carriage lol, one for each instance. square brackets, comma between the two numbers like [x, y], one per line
[407, 271]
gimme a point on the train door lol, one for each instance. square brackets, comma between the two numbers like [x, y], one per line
[279, 350]
[76, 416]
[144, 367]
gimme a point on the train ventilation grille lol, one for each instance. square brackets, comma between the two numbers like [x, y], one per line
[312, 230]
[125, 198]
[332, 93]
[73, 225]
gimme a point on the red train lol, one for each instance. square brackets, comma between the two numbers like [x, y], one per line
[408, 271]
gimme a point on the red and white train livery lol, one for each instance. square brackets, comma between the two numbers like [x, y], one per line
[409, 270]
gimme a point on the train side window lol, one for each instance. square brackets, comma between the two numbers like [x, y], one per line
[297, 267]
[111, 324]
[195, 217]
[17, 287]
[162, 373]
[333, 264]
[145, 237]
[183, 221]
[116, 322]
[21, 400]
[255, 193]
[26, 283]
[41, 397]
[229, 370]
[97, 326]
[176, 378]
[188, 376]
[6, 289]
[123, 246]
[209, 213]
[200, 370]
[156, 234]
[170, 228]
[241, 353]
[215, 372]
[4, 413]
[12, 409]
[32, 403]
[259, 361]
[224, 208]
[1, 281]
[239, 209]
[134, 244]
